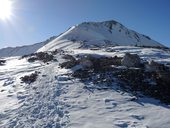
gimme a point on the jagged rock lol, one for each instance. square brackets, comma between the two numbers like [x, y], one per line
[131, 60]
[42, 56]
[29, 78]
[45, 57]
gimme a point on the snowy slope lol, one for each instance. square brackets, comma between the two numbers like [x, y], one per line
[86, 35]
[99, 34]
[22, 50]
[57, 100]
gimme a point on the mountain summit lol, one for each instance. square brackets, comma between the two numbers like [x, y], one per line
[99, 34]
[87, 35]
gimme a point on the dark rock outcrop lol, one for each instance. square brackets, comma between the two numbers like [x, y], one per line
[131, 60]
[2, 62]
[30, 78]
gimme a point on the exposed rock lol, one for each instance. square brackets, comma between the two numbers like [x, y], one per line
[154, 66]
[131, 60]
[29, 78]
[68, 64]
[42, 56]
[2, 62]
[135, 80]
[86, 63]
[69, 57]
[32, 59]
[45, 57]
[56, 51]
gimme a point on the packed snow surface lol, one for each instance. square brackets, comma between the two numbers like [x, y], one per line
[56, 100]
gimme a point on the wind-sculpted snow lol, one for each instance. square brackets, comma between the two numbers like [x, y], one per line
[58, 100]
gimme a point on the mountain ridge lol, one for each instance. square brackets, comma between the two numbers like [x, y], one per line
[23, 50]
[99, 34]
[87, 35]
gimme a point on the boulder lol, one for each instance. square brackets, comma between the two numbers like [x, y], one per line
[131, 60]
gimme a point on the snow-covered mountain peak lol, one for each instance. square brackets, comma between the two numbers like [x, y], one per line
[99, 34]
[109, 24]
[87, 35]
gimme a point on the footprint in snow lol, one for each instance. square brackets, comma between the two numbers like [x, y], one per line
[9, 95]
[110, 103]
[21, 97]
[8, 82]
[138, 117]
[3, 90]
[129, 124]
[62, 78]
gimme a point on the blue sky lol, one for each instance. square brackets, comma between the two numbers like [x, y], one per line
[36, 20]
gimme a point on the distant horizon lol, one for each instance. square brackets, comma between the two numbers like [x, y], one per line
[33, 21]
